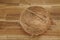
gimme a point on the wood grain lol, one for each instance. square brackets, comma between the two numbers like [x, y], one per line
[13, 31]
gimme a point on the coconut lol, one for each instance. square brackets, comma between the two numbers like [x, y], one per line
[35, 20]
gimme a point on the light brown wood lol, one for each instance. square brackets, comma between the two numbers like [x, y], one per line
[10, 29]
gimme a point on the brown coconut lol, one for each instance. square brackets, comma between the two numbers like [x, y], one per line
[35, 20]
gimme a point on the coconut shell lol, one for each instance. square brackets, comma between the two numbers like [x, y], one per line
[35, 20]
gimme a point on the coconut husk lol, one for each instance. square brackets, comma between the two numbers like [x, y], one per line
[35, 20]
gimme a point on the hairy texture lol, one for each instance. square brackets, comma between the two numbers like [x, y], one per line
[35, 20]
